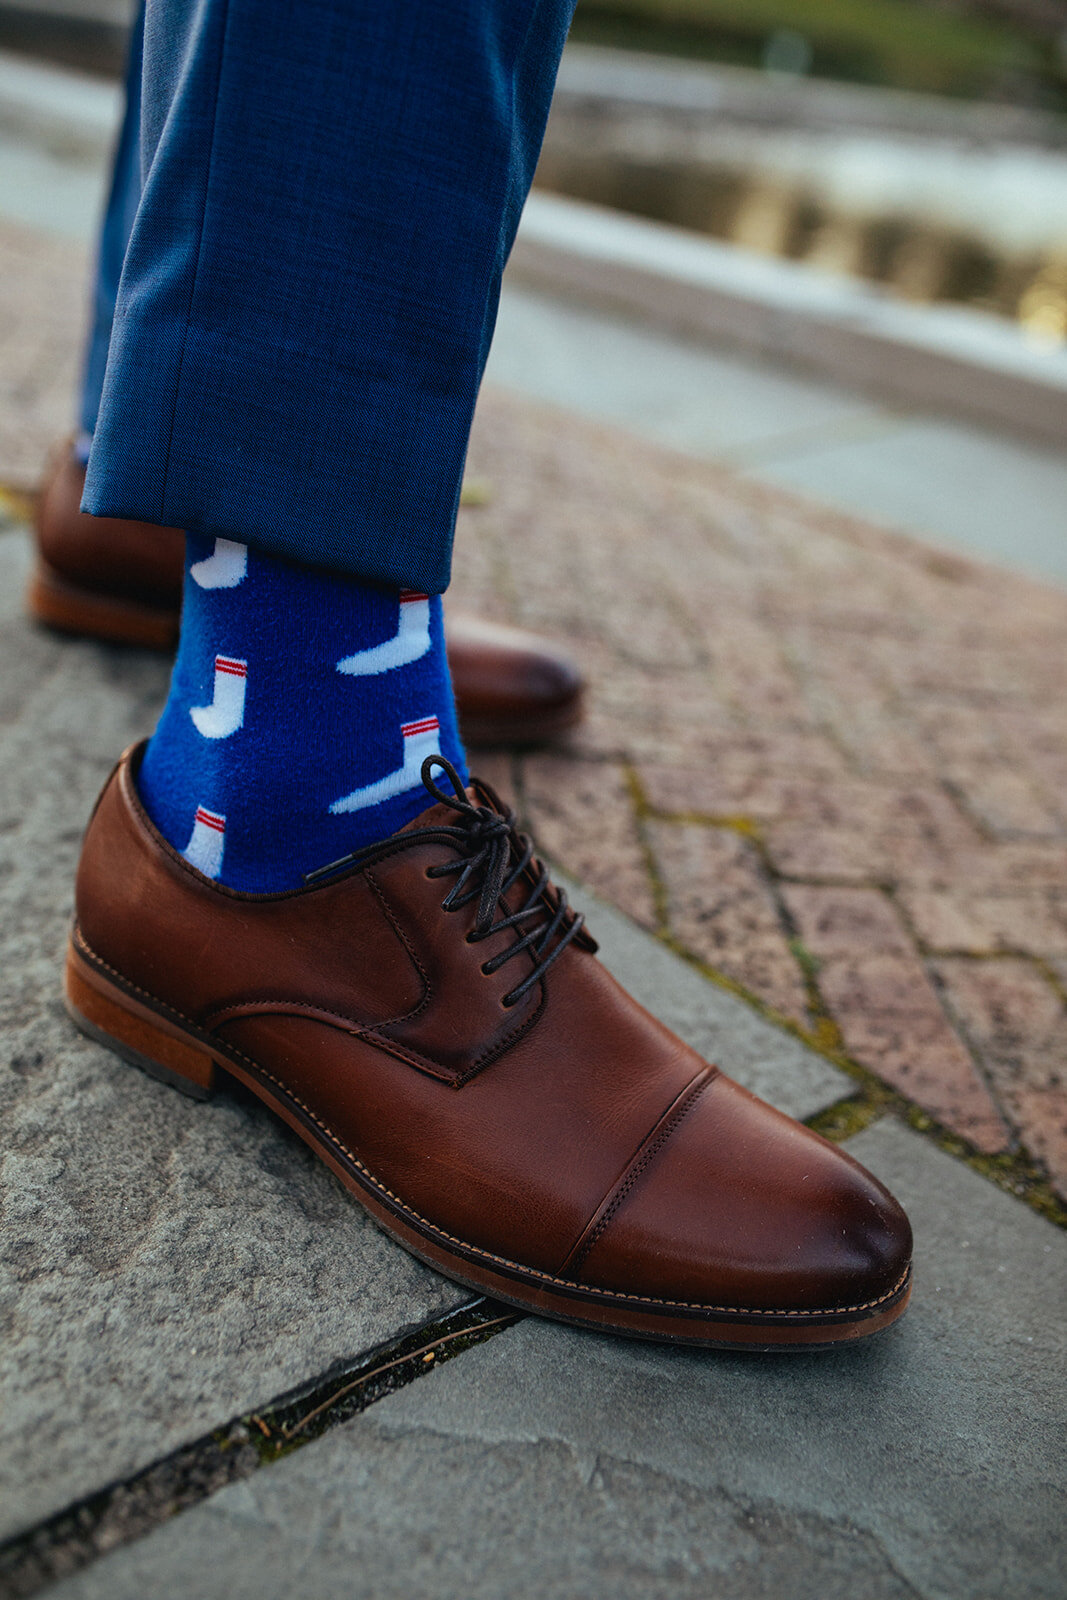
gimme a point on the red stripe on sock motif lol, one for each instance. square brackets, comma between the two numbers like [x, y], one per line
[425, 726]
[211, 819]
[230, 664]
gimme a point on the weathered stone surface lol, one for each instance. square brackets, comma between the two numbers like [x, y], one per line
[581, 814]
[1016, 1020]
[927, 1463]
[766, 1059]
[720, 905]
[163, 1263]
[42, 313]
[890, 1015]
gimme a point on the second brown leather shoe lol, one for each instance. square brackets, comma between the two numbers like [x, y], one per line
[120, 581]
[431, 1018]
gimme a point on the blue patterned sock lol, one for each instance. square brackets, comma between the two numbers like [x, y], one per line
[301, 709]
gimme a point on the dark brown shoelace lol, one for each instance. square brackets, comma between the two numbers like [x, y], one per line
[494, 856]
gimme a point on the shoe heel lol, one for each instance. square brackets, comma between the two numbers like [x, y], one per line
[111, 1017]
[60, 604]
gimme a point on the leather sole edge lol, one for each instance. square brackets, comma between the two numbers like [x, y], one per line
[69, 608]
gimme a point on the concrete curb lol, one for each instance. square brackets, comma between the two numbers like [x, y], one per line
[943, 358]
[632, 80]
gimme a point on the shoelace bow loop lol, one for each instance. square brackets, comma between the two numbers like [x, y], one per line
[495, 857]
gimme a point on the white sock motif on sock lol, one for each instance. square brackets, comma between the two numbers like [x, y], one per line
[224, 568]
[206, 844]
[226, 712]
[421, 739]
[411, 640]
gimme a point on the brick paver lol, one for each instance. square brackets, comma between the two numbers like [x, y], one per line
[720, 904]
[888, 1008]
[1014, 1018]
[583, 816]
[828, 761]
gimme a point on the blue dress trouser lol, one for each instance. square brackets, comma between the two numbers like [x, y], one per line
[122, 201]
[328, 192]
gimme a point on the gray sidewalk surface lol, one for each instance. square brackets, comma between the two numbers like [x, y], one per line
[942, 479]
[555, 1463]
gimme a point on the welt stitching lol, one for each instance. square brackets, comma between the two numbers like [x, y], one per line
[691, 1096]
[473, 1249]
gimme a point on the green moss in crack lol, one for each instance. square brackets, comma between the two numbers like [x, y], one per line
[657, 885]
[848, 1117]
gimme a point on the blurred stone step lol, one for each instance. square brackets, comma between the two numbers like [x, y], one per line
[946, 358]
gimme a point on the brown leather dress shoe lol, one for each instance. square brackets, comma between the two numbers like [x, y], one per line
[122, 581]
[430, 1016]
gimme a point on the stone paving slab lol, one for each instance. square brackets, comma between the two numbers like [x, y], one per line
[927, 1462]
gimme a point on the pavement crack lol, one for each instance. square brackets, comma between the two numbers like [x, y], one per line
[128, 1510]
[641, 814]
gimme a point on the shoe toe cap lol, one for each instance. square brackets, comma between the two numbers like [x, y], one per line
[744, 1209]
